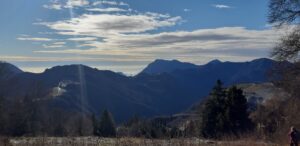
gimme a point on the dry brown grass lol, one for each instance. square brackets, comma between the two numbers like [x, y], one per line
[94, 141]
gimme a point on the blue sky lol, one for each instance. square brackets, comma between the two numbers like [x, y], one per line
[126, 35]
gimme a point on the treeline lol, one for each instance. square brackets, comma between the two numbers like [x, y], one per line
[33, 118]
[26, 117]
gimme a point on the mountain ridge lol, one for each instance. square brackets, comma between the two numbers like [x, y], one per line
[167, 66]
[79, 87]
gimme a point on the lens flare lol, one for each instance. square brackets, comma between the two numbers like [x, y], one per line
[81, 74]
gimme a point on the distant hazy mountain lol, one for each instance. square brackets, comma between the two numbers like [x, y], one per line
[165, 66]
[163, 88]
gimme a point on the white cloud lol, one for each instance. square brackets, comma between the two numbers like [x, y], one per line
[98, 58]
[102, 25]
[221, 6]
[228, 37]
[114, 3]
[107, 10]
[34, 39]
[52, 46]
[59, 43]
[53, 6]
[83, 39]
[58, 4]
[123, 4]
[186, 10]
[157, 15]
[225, 43]
[55, 45]
[76, 3]
[105, 2]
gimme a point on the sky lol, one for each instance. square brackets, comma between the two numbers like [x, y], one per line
[126, 35]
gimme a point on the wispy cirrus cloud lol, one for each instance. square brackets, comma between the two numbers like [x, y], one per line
[58, 5]
[114, 3]
[98, 58]
[54, 4]
[222, 6]
[76, 3]
[54, 45]
[82, 39]
[101, 25]
[106, 10]
[226, 42]
[23, 38]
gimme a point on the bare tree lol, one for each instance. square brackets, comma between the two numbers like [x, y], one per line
[284, 12]
[289, 46]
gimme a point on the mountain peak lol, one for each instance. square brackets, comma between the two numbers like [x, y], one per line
[263, 60]
[8, 70]
[68, 67]
[215, 61]
[163, 60]
[167, 66]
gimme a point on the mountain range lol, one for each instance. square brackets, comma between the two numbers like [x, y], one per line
[162, 88]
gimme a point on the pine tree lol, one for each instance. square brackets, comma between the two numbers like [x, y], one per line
[213, 115]
[225, 112]
[236, 111]
[106, 125]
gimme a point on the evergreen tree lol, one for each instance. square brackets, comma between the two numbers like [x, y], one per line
[213, 115]
[225, 112]
[106, 125]
[236, 111]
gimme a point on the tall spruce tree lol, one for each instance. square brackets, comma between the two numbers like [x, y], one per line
[236, 111]
[106, 125]
[213, 115]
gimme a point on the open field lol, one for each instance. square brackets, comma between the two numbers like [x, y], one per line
[92, 141]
